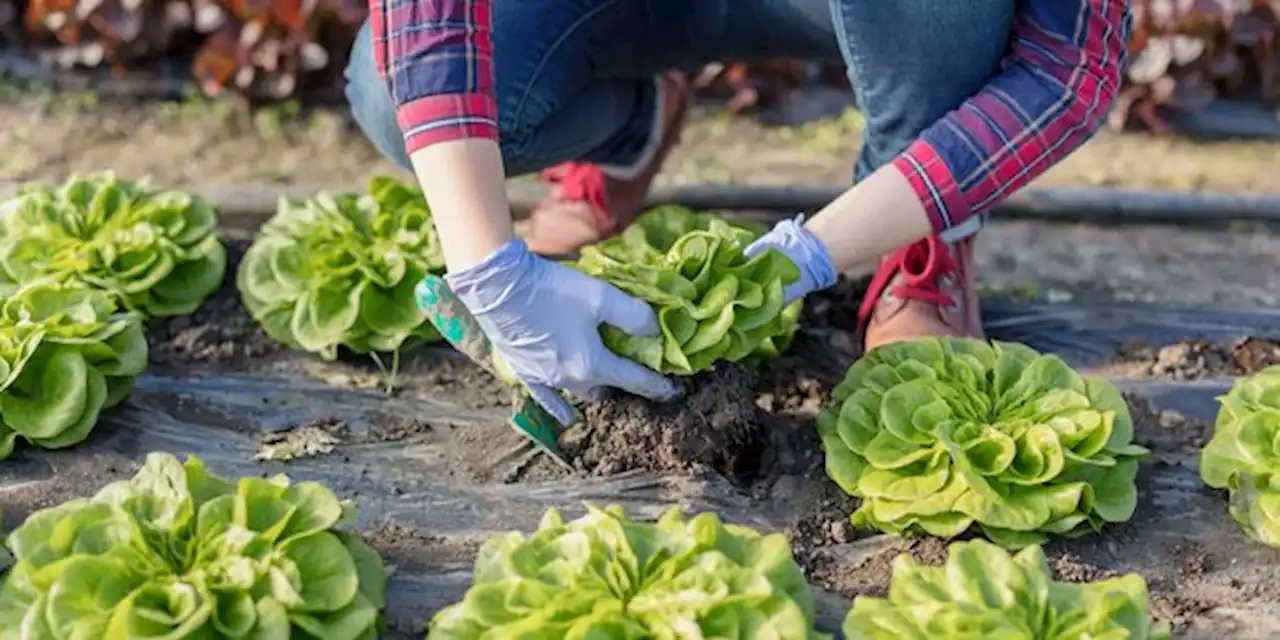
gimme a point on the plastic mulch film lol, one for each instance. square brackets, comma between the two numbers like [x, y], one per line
[410, 463]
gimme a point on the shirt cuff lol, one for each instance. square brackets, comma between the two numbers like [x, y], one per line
[943, 199]
[441, 118]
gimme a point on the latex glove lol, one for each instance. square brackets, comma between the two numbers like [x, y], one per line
[544, 318]
[817, 270]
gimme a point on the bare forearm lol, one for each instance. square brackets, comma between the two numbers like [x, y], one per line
[876, 216]
[466, 189]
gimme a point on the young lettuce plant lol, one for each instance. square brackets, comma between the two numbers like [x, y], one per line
[607, 576]
[157, 252]
[177, 552]
[713, 303]
[1244, 455]
[340, 270]
[66, 354]
[983, 592]
[940, 434]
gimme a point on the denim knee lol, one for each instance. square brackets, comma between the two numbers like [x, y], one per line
[913, 61]
[370, 101]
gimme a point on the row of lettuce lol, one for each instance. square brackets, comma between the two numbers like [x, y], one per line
[179, 552]
[939, 436]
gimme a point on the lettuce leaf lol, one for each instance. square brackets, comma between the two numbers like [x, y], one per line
[942, 434]
[713, 303]
[340, 270]
[607, 576]
[177, 552]
[157, 252]
[66, 353]
[984, 593]
[1243, 456]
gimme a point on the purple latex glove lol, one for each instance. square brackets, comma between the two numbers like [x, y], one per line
[544, 319]
[817, 270]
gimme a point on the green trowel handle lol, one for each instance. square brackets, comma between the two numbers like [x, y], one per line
[456, 324]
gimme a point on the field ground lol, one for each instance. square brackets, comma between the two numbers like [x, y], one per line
[421, 465]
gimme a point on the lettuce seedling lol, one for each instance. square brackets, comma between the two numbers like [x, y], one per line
[940, 434]
[1243, 456]
[983, 592]
[177, 552]
[340, 270]
[66, 353]
[713, 303]
[157, 252]
[607, 576]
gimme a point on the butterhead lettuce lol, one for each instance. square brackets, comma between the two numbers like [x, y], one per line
[340, 270]
[66, 353]
[713, 303]
[607, 576]
[177, 552]
[939, 435]
[157, 252]
[1243, 456]
[983, 593]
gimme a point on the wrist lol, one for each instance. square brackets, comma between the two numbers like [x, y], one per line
[464, 185]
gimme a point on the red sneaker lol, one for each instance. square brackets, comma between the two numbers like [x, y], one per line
[925, 289]
[586, 205]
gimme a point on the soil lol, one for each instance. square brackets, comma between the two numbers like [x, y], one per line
[1199, 359]
[220, 333]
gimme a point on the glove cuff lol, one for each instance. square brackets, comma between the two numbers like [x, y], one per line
[498, 270]
[815, 259]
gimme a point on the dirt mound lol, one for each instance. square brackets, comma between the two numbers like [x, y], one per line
[714, 426]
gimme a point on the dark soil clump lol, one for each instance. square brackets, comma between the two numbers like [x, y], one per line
[1068, 567]
[1200, 359]
[715, 426]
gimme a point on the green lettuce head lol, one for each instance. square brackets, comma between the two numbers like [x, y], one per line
[714, 304]
[340, 269]
[157, 252]
[66, 354]
[607, 576]
[983, 593]
[177, 552]
[940, 434]
[1244, 455]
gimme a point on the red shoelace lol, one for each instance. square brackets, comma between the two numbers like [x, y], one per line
[921, 265]
[583, 182]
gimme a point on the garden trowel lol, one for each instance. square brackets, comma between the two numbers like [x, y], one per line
[456, 324]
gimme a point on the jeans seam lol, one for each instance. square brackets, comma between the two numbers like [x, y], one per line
[542, 63]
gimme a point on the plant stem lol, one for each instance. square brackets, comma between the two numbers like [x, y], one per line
[388, 375]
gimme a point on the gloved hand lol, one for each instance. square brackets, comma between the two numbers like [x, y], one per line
[543, 319]
[817, 270]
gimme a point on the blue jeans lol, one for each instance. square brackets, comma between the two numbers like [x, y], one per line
[574, 77]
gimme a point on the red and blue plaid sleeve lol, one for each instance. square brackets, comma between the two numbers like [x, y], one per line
[437, 59]
[1065, 68]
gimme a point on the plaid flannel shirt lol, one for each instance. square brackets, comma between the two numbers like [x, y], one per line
[1062, 74]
